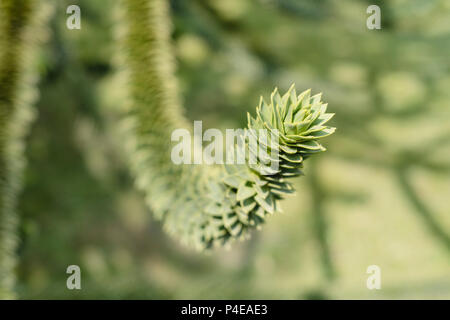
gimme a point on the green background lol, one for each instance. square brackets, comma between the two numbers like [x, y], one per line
[378, 196]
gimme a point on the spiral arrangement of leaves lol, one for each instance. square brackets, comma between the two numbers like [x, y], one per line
[207, 206]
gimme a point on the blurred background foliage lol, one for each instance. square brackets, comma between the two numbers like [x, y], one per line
[378, 196]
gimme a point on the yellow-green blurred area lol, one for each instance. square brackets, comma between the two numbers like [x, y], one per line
[378, 196]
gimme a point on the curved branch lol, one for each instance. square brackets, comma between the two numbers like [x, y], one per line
[207, 206]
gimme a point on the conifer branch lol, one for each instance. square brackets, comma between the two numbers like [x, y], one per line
[207, 206]
[20, 31]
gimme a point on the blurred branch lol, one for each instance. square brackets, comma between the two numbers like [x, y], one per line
[309, 9]
[320, 225]
[435, 166]
[422, 209]
[15, 16]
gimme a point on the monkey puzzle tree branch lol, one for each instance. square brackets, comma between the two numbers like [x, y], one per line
[19, 32]
[206, 206]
